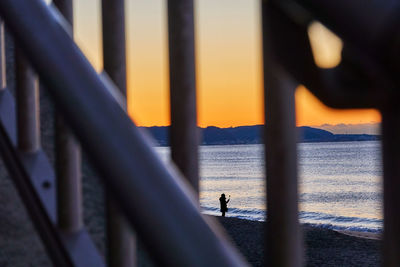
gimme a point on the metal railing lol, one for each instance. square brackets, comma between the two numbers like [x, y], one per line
[94, 108]
[177, 234]
[367, 77]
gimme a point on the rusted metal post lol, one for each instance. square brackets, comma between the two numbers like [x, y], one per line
[121, 242]
[283, 238]
[391, 183]
[68, 159]
[184, 137]
[27, 105]
[2, 57]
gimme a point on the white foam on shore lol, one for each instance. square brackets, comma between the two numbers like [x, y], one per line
[366, 235]
[363, 226]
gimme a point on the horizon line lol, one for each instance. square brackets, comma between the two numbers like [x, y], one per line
[247, 125]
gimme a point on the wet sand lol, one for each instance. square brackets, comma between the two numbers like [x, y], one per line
[323, 247]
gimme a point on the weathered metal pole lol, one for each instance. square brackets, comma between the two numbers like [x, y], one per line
[283, 238]
[184, 135]
[121, 242]
[391, 183]
[68, 159]
[27, 91]
[2, 57]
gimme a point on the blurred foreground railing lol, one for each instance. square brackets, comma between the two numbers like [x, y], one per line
[177, 234]
[367, 77]
[139, 184]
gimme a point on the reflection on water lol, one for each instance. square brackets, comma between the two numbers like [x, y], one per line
[340, 183]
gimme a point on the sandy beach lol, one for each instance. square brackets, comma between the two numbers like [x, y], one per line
[323, 247]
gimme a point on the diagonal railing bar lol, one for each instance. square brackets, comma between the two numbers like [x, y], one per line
[35, 180]
[21, 179]
[174, 230]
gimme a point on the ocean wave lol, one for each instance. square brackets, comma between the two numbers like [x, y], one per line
[316, 219]
[334, 222]
[248, 214]
[344, 228]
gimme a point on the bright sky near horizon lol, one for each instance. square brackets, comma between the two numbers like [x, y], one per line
[228, 54]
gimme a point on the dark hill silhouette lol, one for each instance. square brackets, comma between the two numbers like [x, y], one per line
[310, 134]
[252, 135]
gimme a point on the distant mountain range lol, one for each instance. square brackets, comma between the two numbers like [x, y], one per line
[252, 135]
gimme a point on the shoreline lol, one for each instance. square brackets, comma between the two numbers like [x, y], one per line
[366, 235]
[361, 234]
[323, 247]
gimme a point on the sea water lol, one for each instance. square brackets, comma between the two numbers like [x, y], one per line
[340, 183]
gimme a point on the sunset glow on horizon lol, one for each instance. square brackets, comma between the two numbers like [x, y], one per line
[229, 64]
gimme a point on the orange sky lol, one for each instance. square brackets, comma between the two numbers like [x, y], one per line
[310, 111]
[228, 54]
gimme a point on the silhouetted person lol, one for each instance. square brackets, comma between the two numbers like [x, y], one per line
[223, 202]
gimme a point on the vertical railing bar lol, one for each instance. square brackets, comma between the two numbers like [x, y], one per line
[283, 238]
[391, 183]
[68, 159]
[114, 47]
[2, 57]
[27, 105]
[120, 239]
[184, 135]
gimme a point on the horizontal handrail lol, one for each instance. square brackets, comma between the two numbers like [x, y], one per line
[377, 37]
[371, 59]
[356, 26]
[156, 200]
